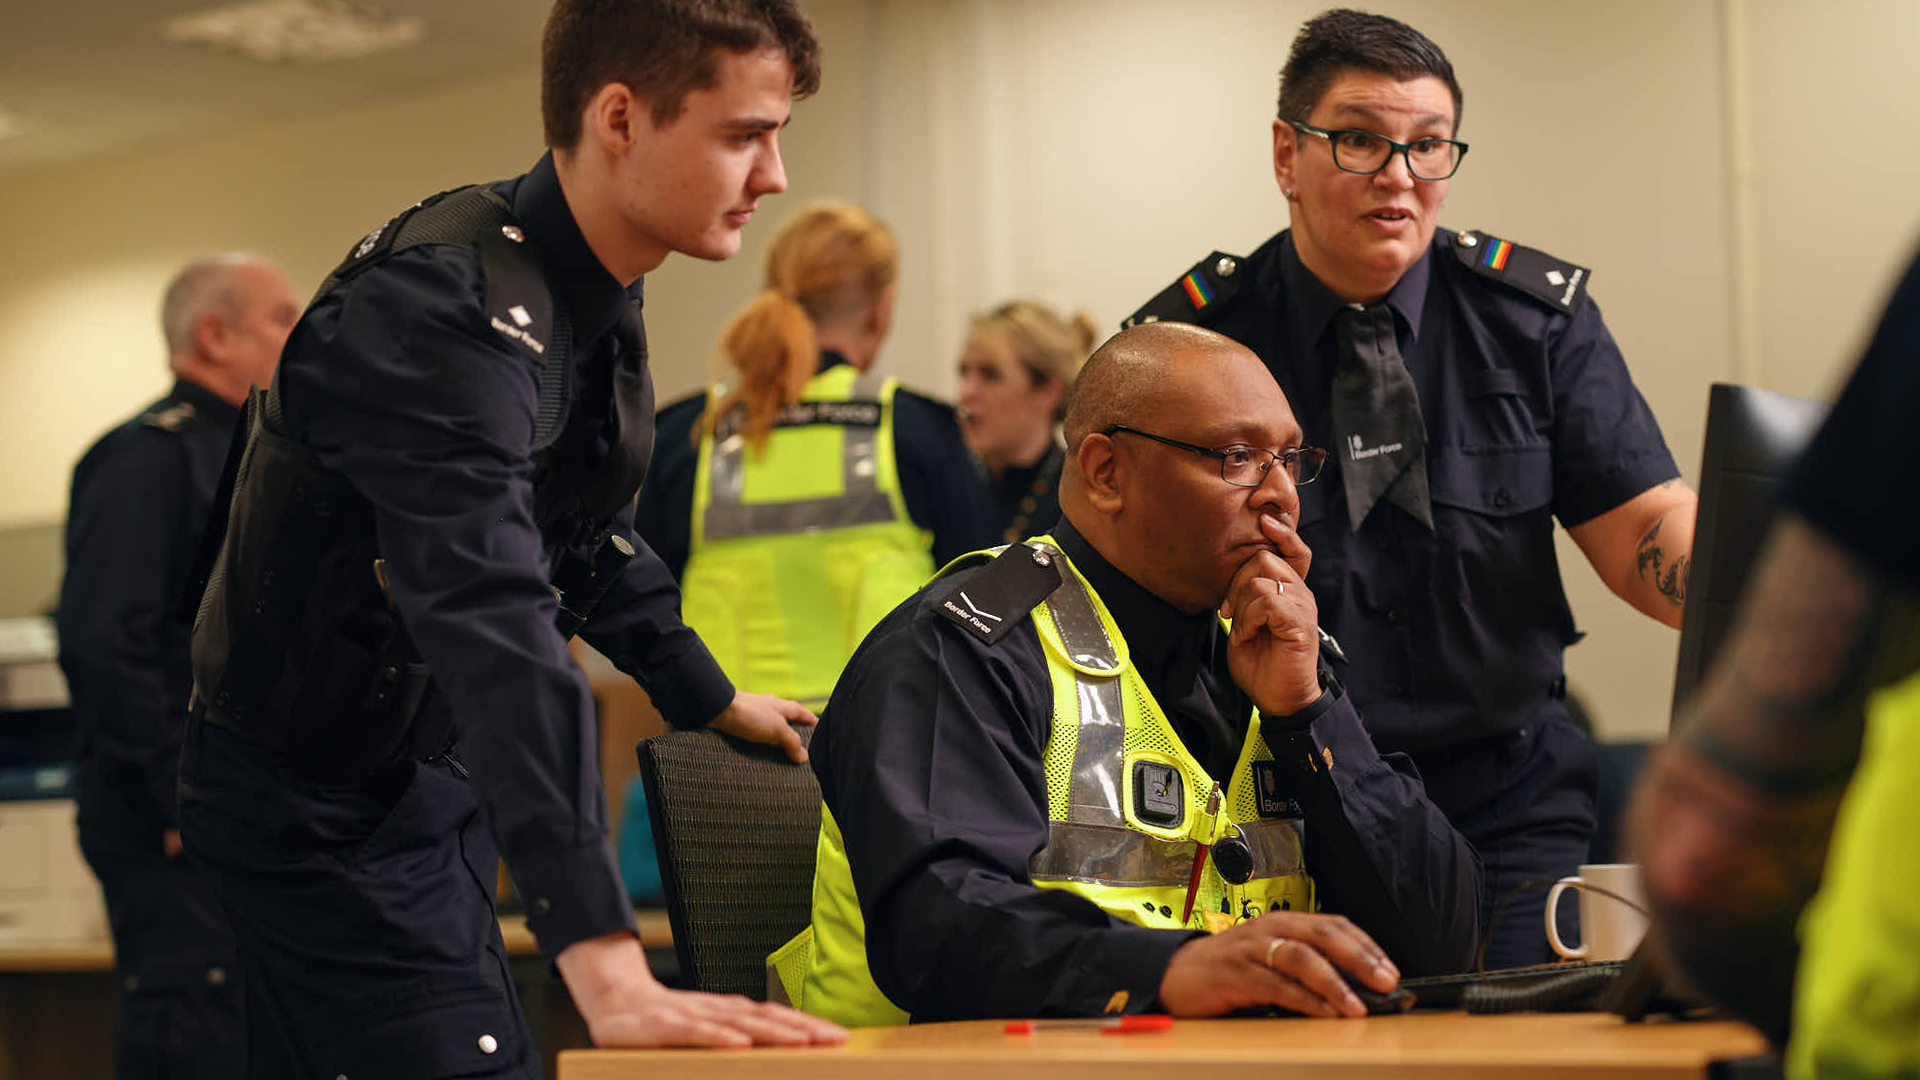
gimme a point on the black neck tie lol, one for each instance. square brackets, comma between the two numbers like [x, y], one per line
[1382, 441]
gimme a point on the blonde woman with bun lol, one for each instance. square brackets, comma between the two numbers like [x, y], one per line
[802, 499]
[1016, 372]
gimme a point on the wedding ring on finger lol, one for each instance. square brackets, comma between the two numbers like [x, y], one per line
[1272, 947]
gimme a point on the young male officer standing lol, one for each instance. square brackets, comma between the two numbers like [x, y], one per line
[437, 490]
[1471, 394]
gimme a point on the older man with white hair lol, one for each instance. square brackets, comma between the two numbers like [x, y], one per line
[140, 499]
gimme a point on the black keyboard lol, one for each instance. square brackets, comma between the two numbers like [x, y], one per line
[1575, 984]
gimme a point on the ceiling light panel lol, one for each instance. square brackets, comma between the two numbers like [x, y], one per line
[297, 31]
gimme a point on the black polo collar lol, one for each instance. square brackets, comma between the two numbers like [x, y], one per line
[594, 298]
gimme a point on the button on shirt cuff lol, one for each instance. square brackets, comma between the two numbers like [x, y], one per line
[571, 895]
[1131, 961]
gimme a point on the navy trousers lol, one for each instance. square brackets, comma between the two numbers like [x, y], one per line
[179, 1014]
[364, 915]
[1526, 803]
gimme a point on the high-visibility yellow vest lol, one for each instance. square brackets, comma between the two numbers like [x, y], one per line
[1856, 1009]
[798, 550]
[1108, 733]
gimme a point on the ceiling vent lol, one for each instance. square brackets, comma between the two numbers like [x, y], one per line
[297, 31]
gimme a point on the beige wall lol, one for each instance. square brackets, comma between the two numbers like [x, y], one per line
[1087, 151]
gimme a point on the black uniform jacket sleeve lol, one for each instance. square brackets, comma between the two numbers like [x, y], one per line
[1381, 853]
[943, 488]
[1855, 482]
[398, 384]
[637, 625]
[931, 760]
[663, 515]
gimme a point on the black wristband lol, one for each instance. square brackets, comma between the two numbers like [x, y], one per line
[1330, 691]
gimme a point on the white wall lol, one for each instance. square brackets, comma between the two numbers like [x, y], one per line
[1088, 151]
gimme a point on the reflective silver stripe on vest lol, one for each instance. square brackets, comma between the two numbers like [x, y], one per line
[1116, 855]
[1078, 621]
[862, 503]
[1094, 844]
[1110, 855]
[1275, 845]
[1099, 752]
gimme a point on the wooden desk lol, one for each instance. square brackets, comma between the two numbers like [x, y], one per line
[96, 955]
[1424, 1046]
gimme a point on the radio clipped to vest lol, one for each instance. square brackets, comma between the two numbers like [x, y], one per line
[579, 583]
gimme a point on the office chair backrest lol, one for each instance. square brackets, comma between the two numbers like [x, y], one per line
[735, 826]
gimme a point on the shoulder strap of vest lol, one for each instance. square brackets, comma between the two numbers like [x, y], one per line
[1554, 282]
[1001, 594]
[519, 306]
[214, 533]
[1200, 296]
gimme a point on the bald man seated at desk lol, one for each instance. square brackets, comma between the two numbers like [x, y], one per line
[1056, 784]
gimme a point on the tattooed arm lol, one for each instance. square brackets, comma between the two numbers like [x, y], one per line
[1643, 548]
[1732, 818]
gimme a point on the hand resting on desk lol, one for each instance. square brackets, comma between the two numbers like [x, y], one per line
[625, 1006]
[1284, 958]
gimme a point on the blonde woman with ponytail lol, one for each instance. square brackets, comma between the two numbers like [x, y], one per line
[802, 499]
[1016, 372]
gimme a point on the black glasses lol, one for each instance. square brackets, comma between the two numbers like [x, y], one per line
[1244, 466]
[1364, 152]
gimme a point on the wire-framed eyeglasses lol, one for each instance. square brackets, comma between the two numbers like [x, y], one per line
[1244, 466]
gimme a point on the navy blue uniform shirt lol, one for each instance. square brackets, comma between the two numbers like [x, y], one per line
[139, 503]
[1457, 633]
[931, 758]
[1854, 482]
[943, 493]
[400, 385]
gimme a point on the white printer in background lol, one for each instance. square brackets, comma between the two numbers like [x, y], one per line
[47, 894]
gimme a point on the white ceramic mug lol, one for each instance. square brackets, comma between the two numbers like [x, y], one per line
[1609, 928]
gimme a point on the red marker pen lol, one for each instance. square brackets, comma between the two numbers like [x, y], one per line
[1199, 857]
[1106, 1025]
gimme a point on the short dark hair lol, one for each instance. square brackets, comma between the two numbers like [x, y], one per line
[661, 50]
[1343, 40]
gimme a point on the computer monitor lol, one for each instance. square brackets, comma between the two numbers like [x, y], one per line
[1752, 435]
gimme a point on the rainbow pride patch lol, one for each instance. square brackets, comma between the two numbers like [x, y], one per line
[1496, 256]
[1197, 289]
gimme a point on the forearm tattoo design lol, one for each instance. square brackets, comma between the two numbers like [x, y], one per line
[1670, 578]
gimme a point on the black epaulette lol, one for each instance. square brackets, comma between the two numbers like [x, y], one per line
[1002, 593]
[1557, 284]
[169, 417]
[1200, 296]
[519, 305]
